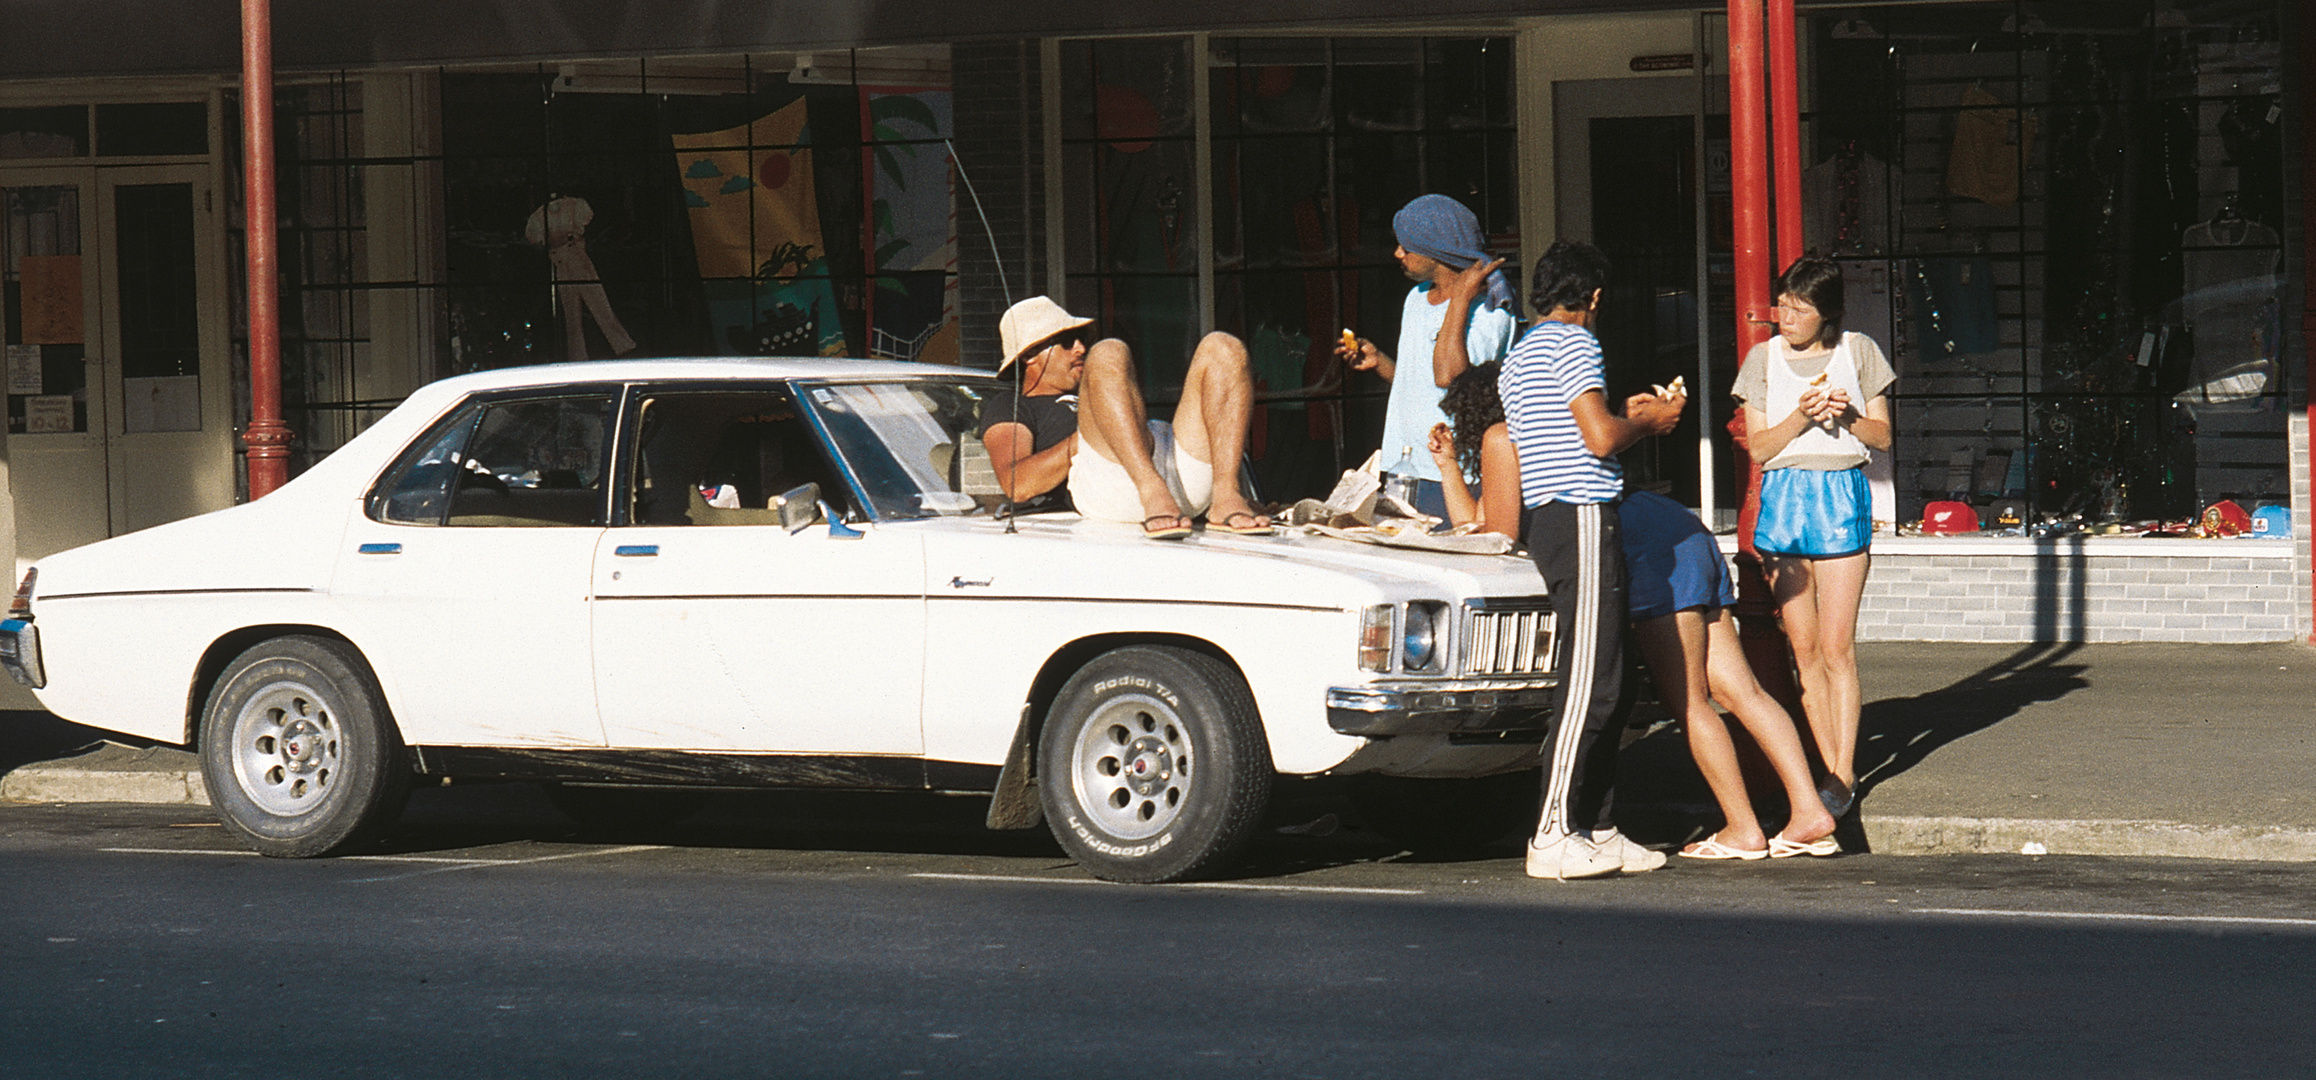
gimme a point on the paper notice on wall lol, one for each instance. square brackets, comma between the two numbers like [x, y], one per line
[24, 375]
[48, 414]
[50, 287]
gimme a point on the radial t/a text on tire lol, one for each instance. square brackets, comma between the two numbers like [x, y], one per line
[1152, 764]
[297, 749]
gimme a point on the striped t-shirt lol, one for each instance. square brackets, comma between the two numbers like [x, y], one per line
[1553, 365]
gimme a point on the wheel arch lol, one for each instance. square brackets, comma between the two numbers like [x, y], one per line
[222, 651]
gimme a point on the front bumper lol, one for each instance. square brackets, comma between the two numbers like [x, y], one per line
[1441, 708]
[20, 653]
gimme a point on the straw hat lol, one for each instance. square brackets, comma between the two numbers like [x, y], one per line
[1029, 322]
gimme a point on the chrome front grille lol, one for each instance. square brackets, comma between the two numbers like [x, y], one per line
[1507, 636]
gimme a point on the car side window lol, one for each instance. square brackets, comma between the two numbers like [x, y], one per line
[416, 489]
[723, 458]
[534, 462]
[522, 462]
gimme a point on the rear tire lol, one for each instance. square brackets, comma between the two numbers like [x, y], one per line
[297, 750]
[1153, 765]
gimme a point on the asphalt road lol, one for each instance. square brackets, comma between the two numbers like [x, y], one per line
[888, 936]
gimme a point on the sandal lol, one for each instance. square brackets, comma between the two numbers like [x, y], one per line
[1226, 525]
[1711, 847]
[1782, 848]
[1176, 531]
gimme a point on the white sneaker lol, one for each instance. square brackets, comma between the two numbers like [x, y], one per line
[1637, 859]
[1569, 856]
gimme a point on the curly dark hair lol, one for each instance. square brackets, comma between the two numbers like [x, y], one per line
[1473, 405]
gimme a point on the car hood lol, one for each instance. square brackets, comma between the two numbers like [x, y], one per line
[1066, 556]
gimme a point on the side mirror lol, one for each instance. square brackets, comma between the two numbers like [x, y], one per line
[799, 506]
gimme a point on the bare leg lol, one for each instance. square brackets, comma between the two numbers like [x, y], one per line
[1840, 584]
[1734, 687]
[1818, 599]
[1211, 422]
[1675, 648]
[1115, 424]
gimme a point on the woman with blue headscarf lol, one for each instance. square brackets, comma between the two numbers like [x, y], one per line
[1458, 289]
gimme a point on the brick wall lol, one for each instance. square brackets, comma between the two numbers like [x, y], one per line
[2093, 591]
[1000, 137]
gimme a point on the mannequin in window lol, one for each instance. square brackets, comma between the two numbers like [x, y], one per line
[561, 228]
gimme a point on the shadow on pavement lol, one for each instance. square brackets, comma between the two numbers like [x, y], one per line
[1896, 734]
[27, 737]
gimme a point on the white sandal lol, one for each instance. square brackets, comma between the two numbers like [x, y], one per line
[1711, 847]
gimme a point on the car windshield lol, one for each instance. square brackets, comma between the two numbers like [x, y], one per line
[913, 447]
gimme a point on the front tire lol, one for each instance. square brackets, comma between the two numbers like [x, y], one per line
[297, 750]
[1153, 765]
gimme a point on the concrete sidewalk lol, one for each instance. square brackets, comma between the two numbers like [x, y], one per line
[2202, 751]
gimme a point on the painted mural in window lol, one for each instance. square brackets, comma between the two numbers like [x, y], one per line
[742, 214]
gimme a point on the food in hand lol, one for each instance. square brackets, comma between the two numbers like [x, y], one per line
[1670, 390]
[1350, 341]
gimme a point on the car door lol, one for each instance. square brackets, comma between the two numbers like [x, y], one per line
[464, 574]
[715, 627]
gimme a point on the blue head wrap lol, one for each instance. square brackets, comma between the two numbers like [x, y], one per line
[1441, 228]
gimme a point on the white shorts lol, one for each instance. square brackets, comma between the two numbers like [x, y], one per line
[1101, 488]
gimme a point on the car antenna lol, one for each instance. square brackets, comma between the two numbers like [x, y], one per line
[1003, 286]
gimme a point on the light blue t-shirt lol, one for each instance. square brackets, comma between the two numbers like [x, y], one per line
[1414, 406]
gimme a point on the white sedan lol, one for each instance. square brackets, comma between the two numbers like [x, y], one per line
[633, 575]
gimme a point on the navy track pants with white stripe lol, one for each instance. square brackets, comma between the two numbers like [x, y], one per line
[1578, 549]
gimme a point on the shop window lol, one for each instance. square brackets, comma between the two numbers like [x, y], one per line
[46, 337]
[796, 206]
[1315, 143]
[52, 131]
[149, 129]
[2062, 221]
[322, 250]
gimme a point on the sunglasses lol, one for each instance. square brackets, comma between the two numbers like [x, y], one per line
[1076, 336]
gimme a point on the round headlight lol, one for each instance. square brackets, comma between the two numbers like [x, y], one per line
[1419, 637]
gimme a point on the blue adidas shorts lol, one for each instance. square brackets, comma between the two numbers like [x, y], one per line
[1814, 514]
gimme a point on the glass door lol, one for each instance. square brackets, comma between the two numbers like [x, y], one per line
[117, 404]
[169, 445]
[56, 407]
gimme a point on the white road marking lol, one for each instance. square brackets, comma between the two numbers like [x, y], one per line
[2118, 916]
[1247, 886]
[169, 851]
[429, 858]
[366, 858]
[513, 862]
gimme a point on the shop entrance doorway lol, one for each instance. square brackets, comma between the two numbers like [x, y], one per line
[118, 396]
[1627, 182]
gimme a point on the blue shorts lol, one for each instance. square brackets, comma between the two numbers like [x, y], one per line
[1672, 563]
[1813, 513]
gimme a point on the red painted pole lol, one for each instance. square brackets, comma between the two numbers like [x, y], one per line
[1749, 154]
[267, 437]
[1785, 130]
[1749, 171]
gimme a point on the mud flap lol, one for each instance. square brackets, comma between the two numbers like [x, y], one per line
[1014, 805]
